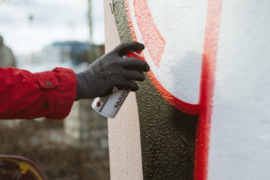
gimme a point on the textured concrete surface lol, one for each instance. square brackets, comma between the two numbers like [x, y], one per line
[240, 127]
[230, 39]
[167, 134]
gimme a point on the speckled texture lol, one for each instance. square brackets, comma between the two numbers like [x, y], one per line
[122, 21]
[167, 134]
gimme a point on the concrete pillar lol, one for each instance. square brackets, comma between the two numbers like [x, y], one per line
[124, 130]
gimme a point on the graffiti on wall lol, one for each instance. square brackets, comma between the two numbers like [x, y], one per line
[182, 41]
[185, 77]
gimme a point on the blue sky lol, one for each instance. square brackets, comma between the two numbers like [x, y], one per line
[53, 20]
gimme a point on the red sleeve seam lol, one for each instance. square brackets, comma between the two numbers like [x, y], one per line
[65, 94]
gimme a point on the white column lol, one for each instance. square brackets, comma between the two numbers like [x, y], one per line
[124, 130]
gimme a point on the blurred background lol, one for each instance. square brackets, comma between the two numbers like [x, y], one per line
[44, 34]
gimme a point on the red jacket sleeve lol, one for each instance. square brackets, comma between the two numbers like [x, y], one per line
[26, 95]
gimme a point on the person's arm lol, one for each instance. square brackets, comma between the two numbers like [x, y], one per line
[26, 95]
[111, 71]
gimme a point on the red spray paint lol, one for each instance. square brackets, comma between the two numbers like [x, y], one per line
[204, 109]
[207, 89]
[155, 44]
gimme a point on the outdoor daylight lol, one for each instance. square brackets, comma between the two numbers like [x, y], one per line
[134, 90]
[43, 35]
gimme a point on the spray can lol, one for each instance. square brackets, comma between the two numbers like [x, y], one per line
[110, 105]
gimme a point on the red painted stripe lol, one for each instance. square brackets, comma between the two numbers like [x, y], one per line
[177, 103]
[207, 89]
[130, 21]
[207, 84]
[150, 34]
[181, 105]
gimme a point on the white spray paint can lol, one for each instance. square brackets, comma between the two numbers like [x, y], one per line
[110, 105]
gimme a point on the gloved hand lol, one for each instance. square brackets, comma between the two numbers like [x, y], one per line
[112, 70]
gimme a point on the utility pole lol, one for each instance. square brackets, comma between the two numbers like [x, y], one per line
[90, 21]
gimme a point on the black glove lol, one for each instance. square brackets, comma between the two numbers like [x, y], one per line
[112, 70]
